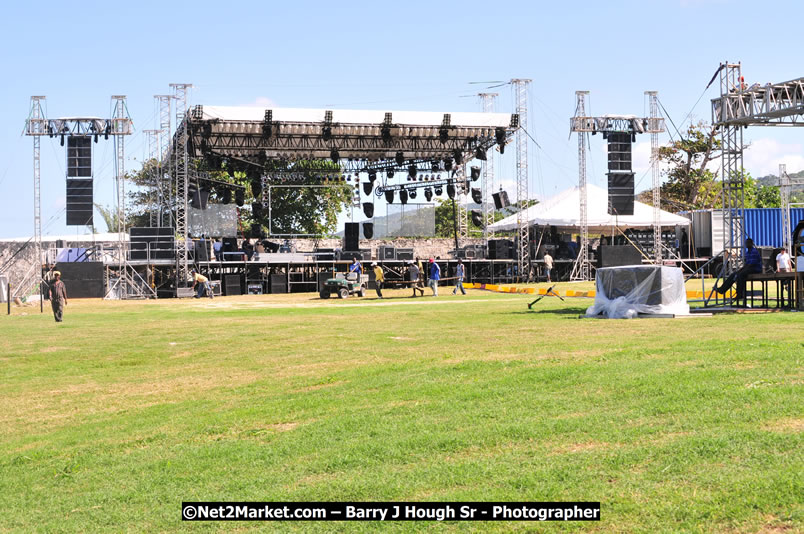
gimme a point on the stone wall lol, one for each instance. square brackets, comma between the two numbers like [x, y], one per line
[422, 247]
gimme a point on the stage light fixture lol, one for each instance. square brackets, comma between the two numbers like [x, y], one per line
[367, 187]
[61, 142]
[368, 209]
[400, 158]
[412, 193]
[256, 187]
[326, 133]
[412, 171]
[457, 156]
[372, 175]
[477, 218]
[403, 196]
[499, 136]
[451, 190]
[435, 165]
[389, 173]
[477, 195]
[226, 196]
[389, 197]
[428, 194]
[480, 153]
[475, 173]
[240, 197]
[334, 155]
[439, 190]
[448, 164]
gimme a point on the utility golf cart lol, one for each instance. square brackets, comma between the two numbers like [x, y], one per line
[344, 285]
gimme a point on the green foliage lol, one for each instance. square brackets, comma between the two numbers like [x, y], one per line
[689, 182]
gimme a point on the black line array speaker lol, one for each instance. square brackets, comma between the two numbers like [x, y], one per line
[79, 156]
[82, 279]
[621, 193]
[501, 249]
[619, 149]
[79, 201]
[618, 255]
[501, 200]
[368, 230]
[351, 236]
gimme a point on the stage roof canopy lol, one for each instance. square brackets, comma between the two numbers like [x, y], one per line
[563, 211]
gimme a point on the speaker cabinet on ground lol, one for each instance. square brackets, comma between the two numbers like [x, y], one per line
[617, 255]
[501, 249]
[621, 193]
[82, 279]
[351, 236]
[231, 285]
[279, 283]
[386, 253]
[404, 254]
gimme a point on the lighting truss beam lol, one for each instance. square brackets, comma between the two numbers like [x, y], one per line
[780, 104]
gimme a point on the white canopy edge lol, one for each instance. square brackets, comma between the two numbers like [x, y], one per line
[358, 116]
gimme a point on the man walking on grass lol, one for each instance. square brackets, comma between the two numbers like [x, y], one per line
[459, 274]
[58, 297]
[435, 276]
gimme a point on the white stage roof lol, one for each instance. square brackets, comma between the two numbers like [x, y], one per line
[357, 116]
[563, 211]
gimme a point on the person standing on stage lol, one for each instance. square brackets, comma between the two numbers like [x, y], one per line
[203, 284]
[58, 297]
[460, 272]
[217, 248]
[435, 276]
[783, 263]
[548, 265]
[379, 278]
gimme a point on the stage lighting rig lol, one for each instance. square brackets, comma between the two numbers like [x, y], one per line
[412, 171]
[428, 194]
[499, 136]
[412, 193]
[457, 154]
[403, 196]
[475, 173]
[451, 191]
[389, 197]
[372, 175]
[477, 196]
[400, 158]
[439, 190]
[480, 153]
[448, 164]
[334, 155]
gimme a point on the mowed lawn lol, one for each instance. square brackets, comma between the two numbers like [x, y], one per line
[113, 418]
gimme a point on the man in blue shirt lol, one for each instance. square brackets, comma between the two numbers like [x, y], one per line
[356, 267]
[753, 265]
[435, 276]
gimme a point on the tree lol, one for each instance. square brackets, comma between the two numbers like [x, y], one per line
[689, 182]
[443, 217]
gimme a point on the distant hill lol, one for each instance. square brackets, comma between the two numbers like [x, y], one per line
[772, 179]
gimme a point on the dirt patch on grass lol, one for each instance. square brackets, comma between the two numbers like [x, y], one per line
[788, 425]
[582, 447]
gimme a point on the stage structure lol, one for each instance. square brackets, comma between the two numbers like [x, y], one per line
[488, 101]
[390, 154]
[621, 132]
[520, 87]
[79, 133]
[740, 106]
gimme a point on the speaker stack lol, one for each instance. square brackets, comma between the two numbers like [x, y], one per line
[351, 237]
[82, 279]
[621, 177]
[79, 181]
[501, 249]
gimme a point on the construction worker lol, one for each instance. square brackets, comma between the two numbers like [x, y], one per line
[58, 297]
[203, 284]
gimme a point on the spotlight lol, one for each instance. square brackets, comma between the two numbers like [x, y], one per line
[435, 165]
[458, 156]
[443, 134]
[428, 194]
[400, 158]
[372, 175]
[448, 164]
[412, 194]
[499, 136]
[477, 218]
[386, 133]
[451, 190]
[403, 196]
[389, 173]
[326, 133]
[475, 173]
[61, 142]
[389, 197]
[480, 153]
[334, 155]
[439, 190]
[256, 187]
[412, 171]
[368, 209]
[477, 196]
[367, 187]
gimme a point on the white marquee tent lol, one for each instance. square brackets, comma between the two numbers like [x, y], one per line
[563, 211]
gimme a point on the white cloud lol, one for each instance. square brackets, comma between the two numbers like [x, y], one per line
[764, 155]
[261, 102]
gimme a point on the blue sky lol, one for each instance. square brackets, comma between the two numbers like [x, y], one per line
[379, 55]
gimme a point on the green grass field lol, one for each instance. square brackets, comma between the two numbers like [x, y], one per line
[114, 417]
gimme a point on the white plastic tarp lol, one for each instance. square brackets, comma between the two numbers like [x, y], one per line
[563, 211]
[625, 292]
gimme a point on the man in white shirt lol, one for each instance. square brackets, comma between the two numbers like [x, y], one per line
[548, 265]
[783, 263]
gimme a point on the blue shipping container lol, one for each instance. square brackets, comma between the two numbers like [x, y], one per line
[764, 225]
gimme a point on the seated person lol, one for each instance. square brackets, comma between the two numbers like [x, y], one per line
[753, 265]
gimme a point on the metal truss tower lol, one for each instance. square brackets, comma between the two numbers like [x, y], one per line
[461, 198]
[180, 161]
[488, 101]
[784, 191]
[36, 127]
[582, 270]
[521, 87]
[733, 178]
[163, 167]
[654, 129]
[155, 194]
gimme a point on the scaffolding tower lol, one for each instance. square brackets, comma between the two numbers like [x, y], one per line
[36, 126]
[180, 160]
[580, 124]
[488, 101]
[655, 127]
[521, 87]
[166, 198]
